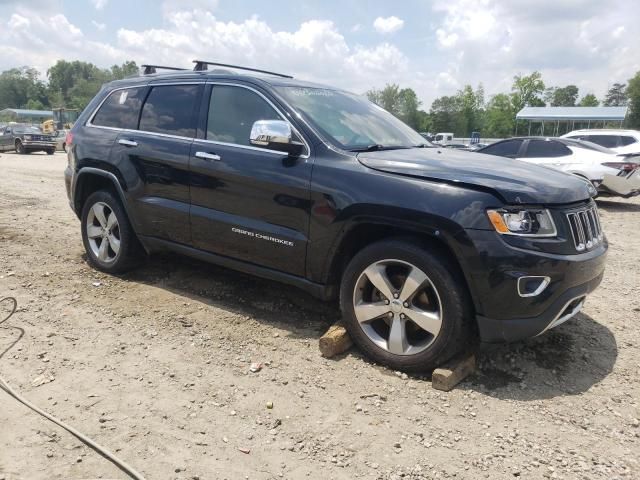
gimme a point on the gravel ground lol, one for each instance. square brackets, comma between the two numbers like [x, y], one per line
[154, 365]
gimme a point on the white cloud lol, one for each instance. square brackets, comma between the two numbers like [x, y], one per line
[388, 24]
[315, 50]
[99, 4]
[575, 41]
[99, 26]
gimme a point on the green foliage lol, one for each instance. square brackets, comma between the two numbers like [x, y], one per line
[633, 96]
[564, 96]
[526, 91]
[499, 117]
[589, 100]
[70, 84]
[616, 96]
[402, 103]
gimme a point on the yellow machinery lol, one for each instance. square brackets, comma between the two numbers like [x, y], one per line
[64, 118]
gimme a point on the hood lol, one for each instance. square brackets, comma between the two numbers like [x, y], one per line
[515, 181]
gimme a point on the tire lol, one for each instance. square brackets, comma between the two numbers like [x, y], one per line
[441, 305]
[20, 150]
[122, 250]
[51, 152]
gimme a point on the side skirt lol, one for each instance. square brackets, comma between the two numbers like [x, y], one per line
[323, 292]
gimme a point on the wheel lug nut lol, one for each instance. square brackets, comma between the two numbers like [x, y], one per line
[402, 315]
[406, 304]
[386, 302]
[390, 314]
[396, 295]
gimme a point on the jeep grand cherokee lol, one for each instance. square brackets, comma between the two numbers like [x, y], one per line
[425, 248]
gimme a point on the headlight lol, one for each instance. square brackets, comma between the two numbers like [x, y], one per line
[523, 222]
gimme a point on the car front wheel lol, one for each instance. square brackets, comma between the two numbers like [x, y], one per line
[108, 238]
[20, 150]
[404, 306]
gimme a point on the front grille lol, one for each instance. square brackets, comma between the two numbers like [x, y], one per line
[585, 228]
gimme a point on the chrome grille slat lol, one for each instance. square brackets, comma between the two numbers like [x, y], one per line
[585, 228]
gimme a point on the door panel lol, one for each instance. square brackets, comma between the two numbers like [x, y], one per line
[161, 164]
[246, 202]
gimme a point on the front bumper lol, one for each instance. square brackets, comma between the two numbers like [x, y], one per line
[503, 313]
[30, 144]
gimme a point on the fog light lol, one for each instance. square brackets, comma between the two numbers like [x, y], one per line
[532, 286]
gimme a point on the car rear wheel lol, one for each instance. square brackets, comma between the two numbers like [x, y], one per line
[51, 151]
[20, 150]
[404, 306]
[108, 238]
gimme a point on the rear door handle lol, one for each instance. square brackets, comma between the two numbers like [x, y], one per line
[127, 143]
[207, 156]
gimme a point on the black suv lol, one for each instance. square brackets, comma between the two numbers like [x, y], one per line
[426, 249]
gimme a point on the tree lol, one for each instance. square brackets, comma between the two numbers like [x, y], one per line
[589, 100]
[616, 96]
[127, 69]
[19, 86]
[402, 103]
[443, 113]
[470, 110]
[633, 95]
[63, 76]
[564, 96]
[499, 117]
[526, 91]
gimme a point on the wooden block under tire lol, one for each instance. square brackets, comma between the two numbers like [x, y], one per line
[453, 372]
[336, 340]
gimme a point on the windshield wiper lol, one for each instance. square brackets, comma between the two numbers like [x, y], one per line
[376, 147]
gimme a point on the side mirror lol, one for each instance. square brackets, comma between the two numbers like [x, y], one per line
[275, 135]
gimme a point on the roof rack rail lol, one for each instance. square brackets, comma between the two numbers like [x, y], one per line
[149, 69]
[201, 65]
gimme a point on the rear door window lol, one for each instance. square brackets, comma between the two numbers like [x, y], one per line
[609, 141]
[169, 109]
[120, 109]
[546, 149]
[508, 148]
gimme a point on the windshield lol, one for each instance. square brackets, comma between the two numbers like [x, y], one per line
[350, 122]
[26, 129]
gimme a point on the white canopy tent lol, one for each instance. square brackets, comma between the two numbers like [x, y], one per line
[571, 115]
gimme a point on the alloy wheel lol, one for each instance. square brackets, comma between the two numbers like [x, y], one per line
[103, 232]
[398, 307]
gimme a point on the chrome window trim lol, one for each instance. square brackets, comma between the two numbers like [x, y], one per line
[89, 122]
[278, 111]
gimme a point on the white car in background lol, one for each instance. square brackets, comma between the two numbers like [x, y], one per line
[611, 173]
[620, 141]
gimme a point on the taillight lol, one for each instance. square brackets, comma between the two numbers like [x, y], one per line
[68, 140]
[624, 166]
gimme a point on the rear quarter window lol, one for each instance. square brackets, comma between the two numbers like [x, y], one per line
[608, 141]
[121, 109]
[627, 140]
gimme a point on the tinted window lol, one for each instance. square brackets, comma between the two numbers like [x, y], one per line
[232, 112]
[609, 141]
[120, 109]
[546, 149]
[625, 140]
[508, 148]
[169, 109]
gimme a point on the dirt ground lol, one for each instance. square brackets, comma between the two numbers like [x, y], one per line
[154, 365]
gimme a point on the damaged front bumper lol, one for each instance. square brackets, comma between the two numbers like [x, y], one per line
[625, 186]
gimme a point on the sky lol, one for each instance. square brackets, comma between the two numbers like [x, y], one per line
[435, 47]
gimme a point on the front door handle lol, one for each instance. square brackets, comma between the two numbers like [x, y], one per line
[127, 143]
[208, 156]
